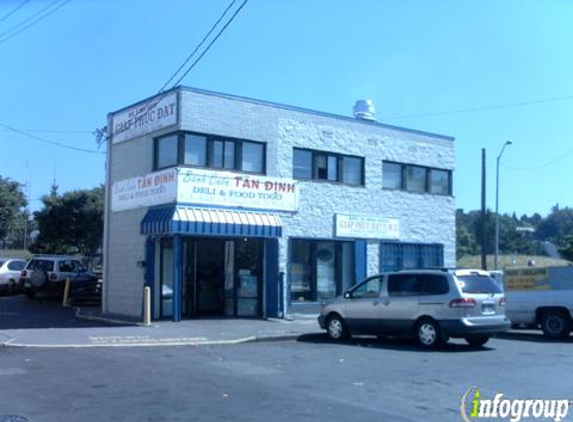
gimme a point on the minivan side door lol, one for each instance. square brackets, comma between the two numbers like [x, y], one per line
[400, 308]
[362, 307]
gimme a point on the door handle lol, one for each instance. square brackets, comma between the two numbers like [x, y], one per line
[375, 303]
[386, 302]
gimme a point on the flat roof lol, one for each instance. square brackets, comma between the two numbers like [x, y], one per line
[288, 107]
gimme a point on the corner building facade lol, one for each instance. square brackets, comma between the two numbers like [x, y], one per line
[229, 206]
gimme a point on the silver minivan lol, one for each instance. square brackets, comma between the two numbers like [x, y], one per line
[430, 305]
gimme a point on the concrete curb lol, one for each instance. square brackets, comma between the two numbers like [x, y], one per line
[107, 320]
[249, 339]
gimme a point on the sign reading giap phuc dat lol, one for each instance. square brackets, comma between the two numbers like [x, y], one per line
[366, 226]
[154, 114]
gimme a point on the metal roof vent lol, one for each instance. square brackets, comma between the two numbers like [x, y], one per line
[364, 110]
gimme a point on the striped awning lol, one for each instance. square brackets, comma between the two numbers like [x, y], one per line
[180, 219]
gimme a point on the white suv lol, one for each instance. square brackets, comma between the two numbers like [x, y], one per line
[430, 305]
[48, 273]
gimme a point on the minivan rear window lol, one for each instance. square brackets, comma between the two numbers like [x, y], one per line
[41, 264]
[476, 283]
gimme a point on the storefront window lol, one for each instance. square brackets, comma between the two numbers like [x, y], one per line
[397, 256]
[300, 271]
[320, 270]
[167, 278]
[325, 270]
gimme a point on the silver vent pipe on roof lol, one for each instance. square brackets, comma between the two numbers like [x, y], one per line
[364, 110]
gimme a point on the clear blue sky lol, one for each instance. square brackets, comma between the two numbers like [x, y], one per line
[60, 77]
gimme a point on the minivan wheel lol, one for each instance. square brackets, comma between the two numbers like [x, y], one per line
[555, 324]
[428, 334]
[336, 328]
[477, 341]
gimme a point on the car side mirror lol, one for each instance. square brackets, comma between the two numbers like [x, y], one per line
[347, 295]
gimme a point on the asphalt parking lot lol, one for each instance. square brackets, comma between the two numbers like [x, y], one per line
[310, 379]
[20, 312]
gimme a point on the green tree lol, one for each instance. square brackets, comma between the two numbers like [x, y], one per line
[557, 226]
[566, 249]
[70, 223]
[13, 217]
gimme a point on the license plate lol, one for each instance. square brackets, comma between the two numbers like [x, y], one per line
[27, 284]
[488, 308]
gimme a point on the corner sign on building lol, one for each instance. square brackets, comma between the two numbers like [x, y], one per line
[360, 226]
[152, 189]
[154, 114]
[200, 187]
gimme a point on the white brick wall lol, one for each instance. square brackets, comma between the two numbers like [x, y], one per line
[423, 218]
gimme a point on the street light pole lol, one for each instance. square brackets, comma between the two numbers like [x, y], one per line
[497, 203]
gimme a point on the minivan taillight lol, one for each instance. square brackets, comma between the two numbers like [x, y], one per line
[502, 301]
[23, 273]
[463, 303]
[53, 276]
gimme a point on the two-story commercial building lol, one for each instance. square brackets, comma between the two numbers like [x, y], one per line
[236, 207]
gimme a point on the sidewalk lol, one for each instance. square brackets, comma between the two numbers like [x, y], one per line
[194, 332]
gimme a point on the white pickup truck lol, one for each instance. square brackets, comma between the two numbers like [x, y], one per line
[540, 297]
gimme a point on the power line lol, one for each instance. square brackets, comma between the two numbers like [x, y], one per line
[49, 131]
[211, 43]
[548, 164]
[47, 141]
[13, 11]
[6, 35]
[491, 107]
[198, 46]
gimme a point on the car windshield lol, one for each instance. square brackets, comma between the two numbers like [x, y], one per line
[476, 283]
[41, 264]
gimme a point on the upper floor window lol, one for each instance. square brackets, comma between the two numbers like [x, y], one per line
[197, 150]
[414, 178]
[318, 165]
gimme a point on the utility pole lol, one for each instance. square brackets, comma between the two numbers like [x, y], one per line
[483, 213]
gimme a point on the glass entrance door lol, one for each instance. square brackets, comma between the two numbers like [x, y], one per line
[210, 276]
[222, 277]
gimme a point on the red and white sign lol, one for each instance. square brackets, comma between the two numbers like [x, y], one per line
[236, 190]
[145, 191]
[202, 187]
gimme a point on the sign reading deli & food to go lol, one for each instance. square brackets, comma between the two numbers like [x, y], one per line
[202, 187]
[154, 114]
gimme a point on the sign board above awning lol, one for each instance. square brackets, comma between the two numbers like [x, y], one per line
[360, 226]
[204, 187]
[236, 190]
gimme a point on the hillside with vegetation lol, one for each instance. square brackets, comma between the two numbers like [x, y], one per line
[546, 240]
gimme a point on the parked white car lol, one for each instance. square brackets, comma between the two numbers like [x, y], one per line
[10, 269]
